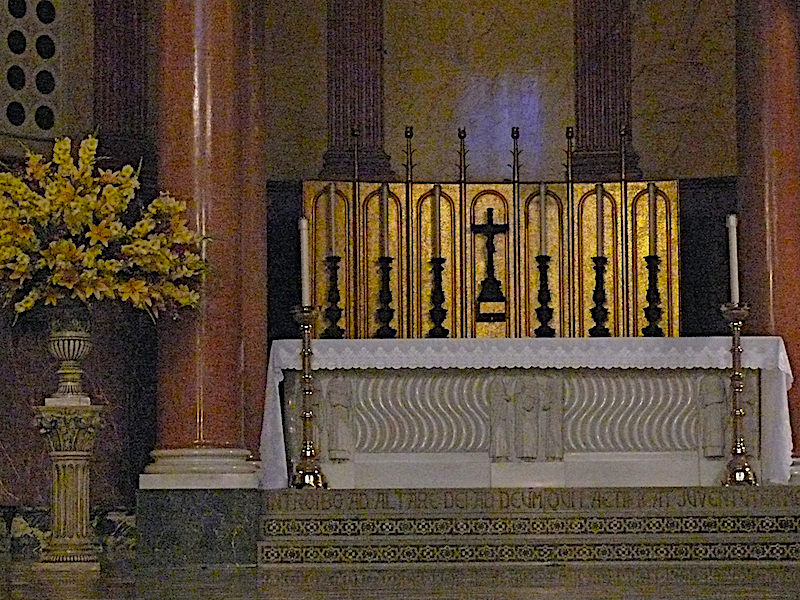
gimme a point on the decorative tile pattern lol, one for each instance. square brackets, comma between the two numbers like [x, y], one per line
[525, 553]
[361, 527]
[530, 526]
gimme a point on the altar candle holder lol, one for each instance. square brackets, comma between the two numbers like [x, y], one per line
[738, 471]
[333, 312]
[307, 473]
[599, 312]
[385, 312]
[438, 313]
[544, 313]
[652, 312]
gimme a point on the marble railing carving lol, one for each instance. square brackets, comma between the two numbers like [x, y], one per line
[518, 415]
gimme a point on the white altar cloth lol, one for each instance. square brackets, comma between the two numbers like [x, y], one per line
[765, 353]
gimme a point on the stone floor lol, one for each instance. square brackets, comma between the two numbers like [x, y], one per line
[731, 581]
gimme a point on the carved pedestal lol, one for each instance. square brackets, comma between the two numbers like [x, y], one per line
[70, 433]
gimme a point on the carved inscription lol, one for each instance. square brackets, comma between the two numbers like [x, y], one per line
[531, 500]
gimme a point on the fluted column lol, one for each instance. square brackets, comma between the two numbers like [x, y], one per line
[210, 149]
[602, 90]
[768, 94]
[355, 90]
[120, 87]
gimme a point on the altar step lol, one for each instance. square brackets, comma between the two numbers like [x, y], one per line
[529, 526]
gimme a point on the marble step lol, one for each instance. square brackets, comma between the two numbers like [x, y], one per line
[529, 526]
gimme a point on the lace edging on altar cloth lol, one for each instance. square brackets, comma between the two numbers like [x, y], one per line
[560, 353]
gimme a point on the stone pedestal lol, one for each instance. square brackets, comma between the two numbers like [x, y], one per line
[70, 433]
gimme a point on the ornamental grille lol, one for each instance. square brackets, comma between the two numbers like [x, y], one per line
[32, 65]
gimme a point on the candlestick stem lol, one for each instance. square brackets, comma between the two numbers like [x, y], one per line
[307, 473]
[652, 312]
[438, 313]
[739, 471]
[599, 311]
[333, 312]
[544, 313]
[385, 312]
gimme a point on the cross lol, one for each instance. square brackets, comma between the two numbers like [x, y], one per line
[490, 229]
[491, 292]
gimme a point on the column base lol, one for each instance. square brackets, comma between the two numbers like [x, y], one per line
[201, 468]
[604, 165]
[68, 554]
[794, 471]
[373, 165]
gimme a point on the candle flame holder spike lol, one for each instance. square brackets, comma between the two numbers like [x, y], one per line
[738, 471]
[307, 473]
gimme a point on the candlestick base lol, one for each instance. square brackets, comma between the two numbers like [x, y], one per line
[739, 471]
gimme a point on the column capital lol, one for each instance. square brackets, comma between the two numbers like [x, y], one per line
[69, 428]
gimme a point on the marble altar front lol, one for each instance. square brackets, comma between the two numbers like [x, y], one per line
[528, 412]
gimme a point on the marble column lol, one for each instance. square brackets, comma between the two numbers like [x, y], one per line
[355, 90]
[602, 90]
[768, 96]
[212, 361]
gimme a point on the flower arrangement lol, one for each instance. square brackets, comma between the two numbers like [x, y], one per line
[75, 234]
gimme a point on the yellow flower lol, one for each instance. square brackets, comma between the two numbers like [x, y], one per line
[62, 156]
[86, 154]
[92, 285]
[27, 302]
[61, 253]
[100, 233]
[133, 290]
[52, 296]
[61, 228]
[36, 166]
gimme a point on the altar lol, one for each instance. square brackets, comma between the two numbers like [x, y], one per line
[527, 412]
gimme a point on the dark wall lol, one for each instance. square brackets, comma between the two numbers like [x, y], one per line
[705, 283]
[284, 199]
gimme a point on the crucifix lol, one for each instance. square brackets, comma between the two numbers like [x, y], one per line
[491, 295]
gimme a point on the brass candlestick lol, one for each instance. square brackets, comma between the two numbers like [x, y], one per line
[307, 473]
[739, 471]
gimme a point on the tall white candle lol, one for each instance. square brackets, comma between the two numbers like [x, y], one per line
[332, 219]
[384, 219]
[436, 226]
[542, 218]
[599, 192]
[652, 217]
[305, 272]
[733, 253]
